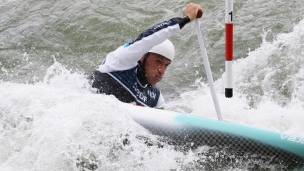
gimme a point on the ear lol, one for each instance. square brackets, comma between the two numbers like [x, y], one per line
[142, 58]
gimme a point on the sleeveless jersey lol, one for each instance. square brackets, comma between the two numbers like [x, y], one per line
[117, 74]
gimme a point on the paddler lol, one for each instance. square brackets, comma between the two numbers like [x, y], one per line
[131, 72]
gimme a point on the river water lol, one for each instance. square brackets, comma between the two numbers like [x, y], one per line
[50, 120]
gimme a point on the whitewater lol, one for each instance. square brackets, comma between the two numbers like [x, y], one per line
[50, 119]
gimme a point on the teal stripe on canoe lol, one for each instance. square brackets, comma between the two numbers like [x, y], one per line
[286, 142]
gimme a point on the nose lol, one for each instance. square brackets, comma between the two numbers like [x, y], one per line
[161, 69]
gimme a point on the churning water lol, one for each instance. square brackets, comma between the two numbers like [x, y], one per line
[50, 120]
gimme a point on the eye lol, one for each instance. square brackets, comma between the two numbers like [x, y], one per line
[158, 62]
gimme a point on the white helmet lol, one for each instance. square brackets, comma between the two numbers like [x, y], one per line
[166, 49]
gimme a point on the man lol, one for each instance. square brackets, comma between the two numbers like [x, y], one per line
[131, 72]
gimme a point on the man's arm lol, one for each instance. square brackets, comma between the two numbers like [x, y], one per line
[126, 57]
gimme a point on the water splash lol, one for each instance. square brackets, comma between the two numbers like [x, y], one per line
[273, 71]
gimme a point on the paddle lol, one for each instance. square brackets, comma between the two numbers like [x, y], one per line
[207, 68]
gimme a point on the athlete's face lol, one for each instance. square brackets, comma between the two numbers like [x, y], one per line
[156, 66]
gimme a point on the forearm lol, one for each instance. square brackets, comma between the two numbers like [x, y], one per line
[162, 29]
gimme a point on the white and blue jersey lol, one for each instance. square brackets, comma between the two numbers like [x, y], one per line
[117, 75]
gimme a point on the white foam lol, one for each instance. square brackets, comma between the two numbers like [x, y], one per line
[59, 124]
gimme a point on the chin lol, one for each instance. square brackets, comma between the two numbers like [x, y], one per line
[152, 83]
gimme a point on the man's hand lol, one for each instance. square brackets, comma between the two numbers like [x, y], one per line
[194, 11]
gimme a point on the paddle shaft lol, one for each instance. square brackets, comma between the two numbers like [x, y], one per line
[208, 70]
